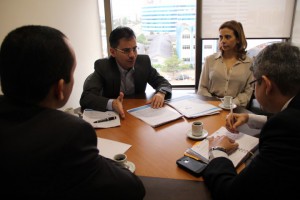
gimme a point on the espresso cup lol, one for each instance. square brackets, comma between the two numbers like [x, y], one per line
[121, 159]
[197, 128]
[226, 101]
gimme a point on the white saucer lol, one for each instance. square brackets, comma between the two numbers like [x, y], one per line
[227, 108]
[130, 166]
[204, 135]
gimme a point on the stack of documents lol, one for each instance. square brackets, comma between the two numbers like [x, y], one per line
[192, 107]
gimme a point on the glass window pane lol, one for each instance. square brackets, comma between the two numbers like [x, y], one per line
[165, 31]
[253, 48]
[102, 28]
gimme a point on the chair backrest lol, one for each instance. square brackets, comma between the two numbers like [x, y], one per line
[255, 107]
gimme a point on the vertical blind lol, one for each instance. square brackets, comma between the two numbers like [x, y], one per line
[260, 18]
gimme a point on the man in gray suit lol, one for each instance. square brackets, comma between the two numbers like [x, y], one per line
[123, 73]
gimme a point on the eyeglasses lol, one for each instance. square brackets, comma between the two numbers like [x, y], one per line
[252, 82]
[127, 51]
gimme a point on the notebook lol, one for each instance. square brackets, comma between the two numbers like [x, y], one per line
[247, 144]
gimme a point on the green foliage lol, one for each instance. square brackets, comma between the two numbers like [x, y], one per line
[172, 64]
[157, 66]
[142, 39]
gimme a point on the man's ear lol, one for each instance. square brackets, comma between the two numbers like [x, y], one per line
[59, 92]
[268, 83]
[112, 52]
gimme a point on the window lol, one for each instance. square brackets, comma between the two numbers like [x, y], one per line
[164, 31]
[187, 36]
[185, 46]
[186, 59]
[175, 31]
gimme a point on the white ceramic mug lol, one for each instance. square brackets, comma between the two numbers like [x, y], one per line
[197, 128]
[226, 101]
[121, 159]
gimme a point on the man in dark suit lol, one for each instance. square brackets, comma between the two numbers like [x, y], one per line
[46, 153]
[123, 73]
[275, 171]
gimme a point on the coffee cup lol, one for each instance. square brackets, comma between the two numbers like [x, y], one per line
[226, 101]
[197, 128]
[121, 159]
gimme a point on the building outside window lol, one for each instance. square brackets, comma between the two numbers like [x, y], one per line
[166, 29]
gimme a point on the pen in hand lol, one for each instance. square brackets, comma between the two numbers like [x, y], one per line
[231, 113]
[106, 119]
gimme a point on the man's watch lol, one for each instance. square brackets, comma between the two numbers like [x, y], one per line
[162, 91]
[218, 148]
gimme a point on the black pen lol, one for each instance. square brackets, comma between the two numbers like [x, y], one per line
[106, 119]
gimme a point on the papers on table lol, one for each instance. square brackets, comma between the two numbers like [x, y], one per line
[109, 148]
[188, 106]
[155, 117]
[247, 144]
[192, 107]
[91, 116]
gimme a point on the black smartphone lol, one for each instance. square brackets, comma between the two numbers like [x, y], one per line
[195, 167]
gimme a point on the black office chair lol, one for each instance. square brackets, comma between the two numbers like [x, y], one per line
[255, 107]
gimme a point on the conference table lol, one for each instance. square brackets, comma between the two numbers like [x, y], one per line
[154, 151]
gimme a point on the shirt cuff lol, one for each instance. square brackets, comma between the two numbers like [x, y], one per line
[256, 121]
[162, 91]
[217, 153]
[109, 104]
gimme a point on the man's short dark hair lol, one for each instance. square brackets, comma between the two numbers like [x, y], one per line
[119, 33]
[32, 59]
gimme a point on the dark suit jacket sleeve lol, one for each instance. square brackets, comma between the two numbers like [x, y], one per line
[97, 176]
[100, 86]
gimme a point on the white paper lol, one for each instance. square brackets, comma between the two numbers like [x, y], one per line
[91, 116]
[109, 148]
[155, 117]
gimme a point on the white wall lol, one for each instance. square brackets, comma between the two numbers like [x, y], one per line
[77, 19]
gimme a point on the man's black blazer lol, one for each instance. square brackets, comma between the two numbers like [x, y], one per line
[104, 83]
[273, 173]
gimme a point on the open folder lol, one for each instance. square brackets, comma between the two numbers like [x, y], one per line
[191, 106]
[155, 117]
[187, 106]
